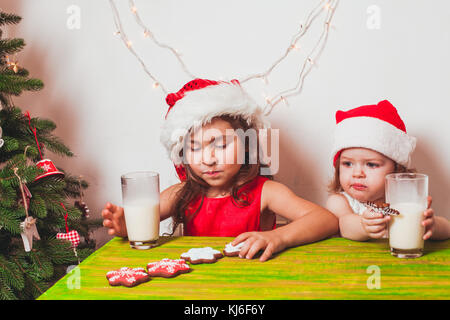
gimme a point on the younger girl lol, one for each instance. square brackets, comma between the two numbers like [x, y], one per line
[371, 142]
[220, 194]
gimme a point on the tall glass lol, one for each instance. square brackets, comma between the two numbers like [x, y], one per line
[140, 197]
[407, 193]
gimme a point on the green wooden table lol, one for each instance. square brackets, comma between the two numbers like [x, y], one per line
[335, 268]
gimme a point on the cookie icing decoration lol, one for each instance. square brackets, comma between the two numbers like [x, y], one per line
[233, 251]
[167, 268]
[127, 277]
[202, 255]
[382, 208]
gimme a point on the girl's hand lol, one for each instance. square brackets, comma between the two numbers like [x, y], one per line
[374, 223]
[114, 219]
[256, 241]
[428, 221]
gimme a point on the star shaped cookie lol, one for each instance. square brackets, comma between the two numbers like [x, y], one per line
[201, 255]
[167, 268]
[127, 277]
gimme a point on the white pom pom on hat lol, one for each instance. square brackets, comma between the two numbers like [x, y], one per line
[376, 127]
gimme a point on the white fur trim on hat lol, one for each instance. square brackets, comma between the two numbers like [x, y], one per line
[374, 134]
[198, 107]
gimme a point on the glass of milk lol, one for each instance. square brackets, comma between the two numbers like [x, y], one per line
[407, 193]
[140, 197]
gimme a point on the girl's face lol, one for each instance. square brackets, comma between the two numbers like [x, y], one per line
[362, 172]
[212, 155]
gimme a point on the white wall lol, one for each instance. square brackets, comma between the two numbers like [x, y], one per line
[109, 115]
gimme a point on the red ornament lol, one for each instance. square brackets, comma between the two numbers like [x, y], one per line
[49, 168]
[72, 236]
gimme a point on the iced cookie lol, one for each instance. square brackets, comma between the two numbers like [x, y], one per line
[201, 255]
[167, 268]
[233, 251]
[382, 208]
[127, 277]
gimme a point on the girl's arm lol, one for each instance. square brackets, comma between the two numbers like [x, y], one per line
[167, 199]
[310, 223]
[354, 227]
[349, 223]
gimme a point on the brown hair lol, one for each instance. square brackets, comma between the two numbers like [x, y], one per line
[335, 185]
[195, 187]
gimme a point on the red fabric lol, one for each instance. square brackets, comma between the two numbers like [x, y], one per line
[221, 217]
[383, 110]
[195, 84]
[172, 98]
[71, 236]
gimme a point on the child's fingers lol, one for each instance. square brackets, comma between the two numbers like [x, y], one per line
[267, 253]
[110, 206]
[246, 247]
[429, 200]
[370, 214]
[374, 222]
[375, 229]
[106, 214]
[427, 235]
[242, 237]
[256, 246]
[378, 235]
[428, 213]
[108, 223]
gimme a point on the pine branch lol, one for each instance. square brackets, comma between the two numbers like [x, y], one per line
[9, 18]
[15, 85]
[6, 293]
[10, 274]
[11, 46]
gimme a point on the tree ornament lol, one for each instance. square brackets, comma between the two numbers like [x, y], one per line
[28, 226]
[46, 164]
[12, 65]
[71, 236]
[28, 196]
[29, 231]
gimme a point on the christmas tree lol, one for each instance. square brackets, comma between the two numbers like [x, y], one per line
[37, 212]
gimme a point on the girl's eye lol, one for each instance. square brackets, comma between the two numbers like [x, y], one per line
[346, 163]
[372, 165]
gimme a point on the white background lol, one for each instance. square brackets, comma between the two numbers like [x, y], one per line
[108, 113]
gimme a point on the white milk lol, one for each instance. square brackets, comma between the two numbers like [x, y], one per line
[406, 230]
[142, 221]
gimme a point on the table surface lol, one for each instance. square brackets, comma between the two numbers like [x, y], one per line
[334, 268]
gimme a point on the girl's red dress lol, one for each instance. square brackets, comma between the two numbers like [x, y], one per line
[223, 217]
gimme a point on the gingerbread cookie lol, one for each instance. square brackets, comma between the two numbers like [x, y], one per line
[201, 255]
[167, 268]
[233, 251]
[382, 208]
[127, 277]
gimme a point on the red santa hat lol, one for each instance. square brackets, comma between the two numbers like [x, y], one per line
[376, 127]
[196, 104]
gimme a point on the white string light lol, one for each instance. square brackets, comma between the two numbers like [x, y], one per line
[129, 45]
[329, 6]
